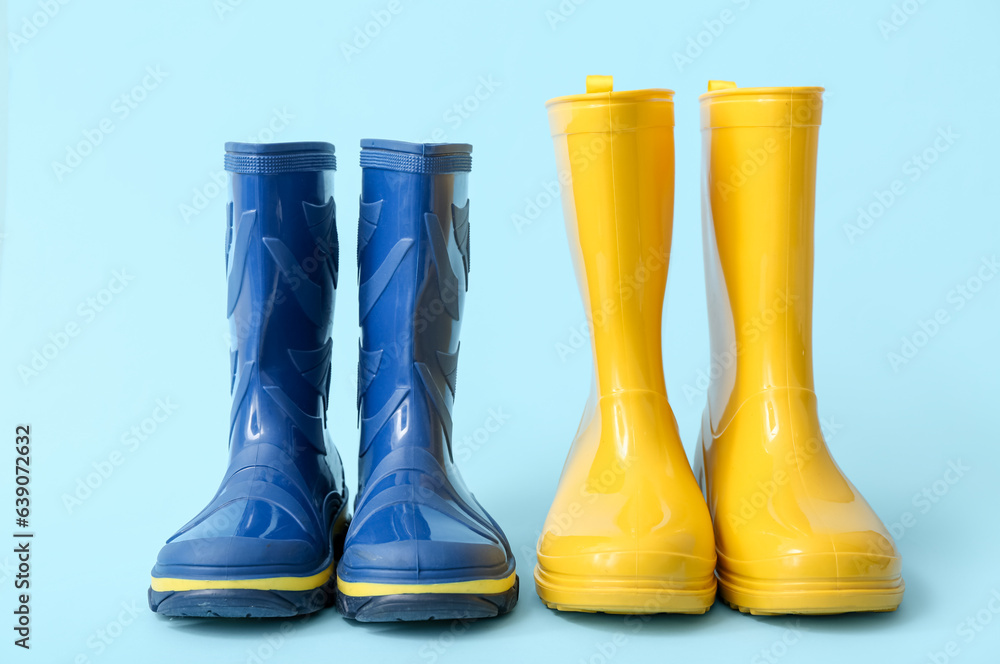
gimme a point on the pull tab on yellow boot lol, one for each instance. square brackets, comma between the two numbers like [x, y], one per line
[720, 85]
[597, 83]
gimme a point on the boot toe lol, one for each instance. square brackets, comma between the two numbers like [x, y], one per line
[235, 557]
[244, 538]
[665, 537]
[416, 544]
[677, 558]
[856, 556]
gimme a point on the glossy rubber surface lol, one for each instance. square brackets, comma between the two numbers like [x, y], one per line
[628, 531]
[264, 545]
[420, 546]
[793, 534]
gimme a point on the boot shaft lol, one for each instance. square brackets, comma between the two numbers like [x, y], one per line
[281, 265]
[413, 259]
[758, 198]
[615, 155]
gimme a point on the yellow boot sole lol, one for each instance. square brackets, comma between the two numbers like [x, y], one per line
[809, 597]
[623, 595]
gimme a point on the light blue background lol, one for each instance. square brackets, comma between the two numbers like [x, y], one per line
[163, 336]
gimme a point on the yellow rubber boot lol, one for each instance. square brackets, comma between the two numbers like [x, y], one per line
[793, 534]
[628, 531]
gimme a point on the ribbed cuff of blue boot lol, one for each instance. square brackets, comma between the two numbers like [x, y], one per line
[268, 158]
[422, 158]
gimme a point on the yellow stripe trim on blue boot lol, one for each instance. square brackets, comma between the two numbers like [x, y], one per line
[478, 587]
[269, 583]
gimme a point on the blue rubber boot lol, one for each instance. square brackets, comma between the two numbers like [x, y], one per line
[420, 546]
[265, 545]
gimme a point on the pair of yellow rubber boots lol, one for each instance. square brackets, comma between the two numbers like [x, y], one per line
[629, 531]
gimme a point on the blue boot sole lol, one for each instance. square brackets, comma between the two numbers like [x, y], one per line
[249, 603]
[427, 606]
[241, 603]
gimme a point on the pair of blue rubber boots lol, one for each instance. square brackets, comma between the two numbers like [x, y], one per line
[277, 539]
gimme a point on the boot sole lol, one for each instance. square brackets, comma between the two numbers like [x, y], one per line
[811, 597]
[465, 600]
[271, 597]
[624, 595]
[240, 602]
